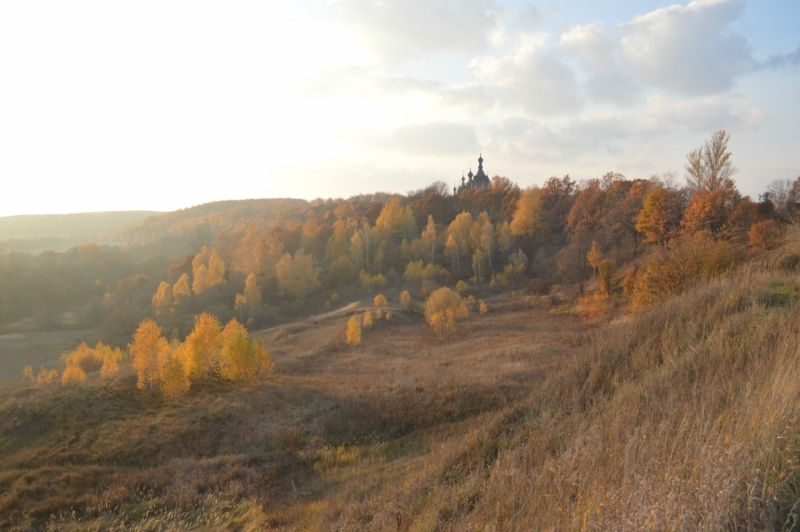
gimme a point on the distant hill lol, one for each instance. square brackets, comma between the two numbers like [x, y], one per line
[35, 232]
[163, 232]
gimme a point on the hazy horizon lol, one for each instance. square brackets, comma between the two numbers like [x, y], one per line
[155, 106]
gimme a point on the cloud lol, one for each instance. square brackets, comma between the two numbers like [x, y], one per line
[783, 60]
[357, 82]
[689, 50]
[535, 141]
[707, 114]
[530, 78]
[595, 48]
[397, 29]
[433, 138]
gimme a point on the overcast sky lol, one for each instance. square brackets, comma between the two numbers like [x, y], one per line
[165, 104]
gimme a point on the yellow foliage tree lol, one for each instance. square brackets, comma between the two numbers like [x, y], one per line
[181, 290]
[244, 359]
[366, 322]
[405, 300]
[298, 275]
[204, 345]
[162, 299]
[482, 308]
[27, 374]
[73, 376]
[210, 275]
[353, 334]
[148, 350]
[529, 218]
[380, 301]
[44, 377]
[252, 292]
[174, 379]
[110, 357]
[442, 309]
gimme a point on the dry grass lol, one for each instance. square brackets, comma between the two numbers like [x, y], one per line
[335, 426]
[540, 415]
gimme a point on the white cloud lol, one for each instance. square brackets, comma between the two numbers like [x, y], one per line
[433, 139]
[607, 82]
[706, 114]
[357, 82]
[530, 78]
[536, 141]
[397, 29]
[690, 50]
[591, 43]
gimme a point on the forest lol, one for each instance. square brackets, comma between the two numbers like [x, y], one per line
[264, 261]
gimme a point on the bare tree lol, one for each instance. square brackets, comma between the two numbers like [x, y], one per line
[781, 193]
[709, 167]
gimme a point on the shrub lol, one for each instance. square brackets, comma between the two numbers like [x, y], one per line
[461, 286]
[442, 309]
[537, 287]
[667, 274]
[766, 235]
[405, 300]
[73, 376]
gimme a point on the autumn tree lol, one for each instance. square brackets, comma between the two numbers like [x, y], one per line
[482, 308]
[366, 321]
[174, 379]
[709, 167]
[204, 346]
[73, 376]
[443, 309]
[594, 256]
[298, 275]
[244, 360]
[353, 333]
[380, 301]
[147, 351]
[766, 235]
[405, 300]
[528, 220]
[208, 270]
[660, 217]
[606, 273]
[721, 212]
[252, 292]
[428, 240]
[341, 271]
[27, 375]
[162, 299]
[181, 291]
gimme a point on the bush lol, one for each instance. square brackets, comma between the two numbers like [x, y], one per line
[442, 309]
[537, 287]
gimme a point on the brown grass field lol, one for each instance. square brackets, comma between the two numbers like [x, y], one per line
[579, 417]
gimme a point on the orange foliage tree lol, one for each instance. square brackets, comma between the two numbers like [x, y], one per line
[766, 235]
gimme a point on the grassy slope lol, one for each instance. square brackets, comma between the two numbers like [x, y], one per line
[682, 417]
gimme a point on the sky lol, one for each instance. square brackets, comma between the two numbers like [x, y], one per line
[161, 105]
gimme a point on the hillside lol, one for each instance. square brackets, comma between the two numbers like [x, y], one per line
[532, 417]
[39, 232]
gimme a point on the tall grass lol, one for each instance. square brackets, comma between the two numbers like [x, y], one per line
[682, 418]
